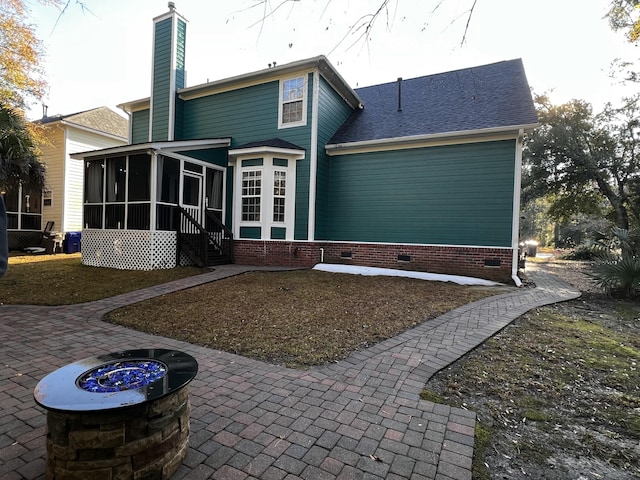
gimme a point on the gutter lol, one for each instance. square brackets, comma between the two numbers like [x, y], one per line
[339, 148]
[175, 146]
[515, 229]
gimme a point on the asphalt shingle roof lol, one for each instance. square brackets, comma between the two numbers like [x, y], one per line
[487, 96]
[272, 142]
[102, 119]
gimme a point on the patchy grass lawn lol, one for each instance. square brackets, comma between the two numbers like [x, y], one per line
[558, 391]
[63, 280]
[296, 318]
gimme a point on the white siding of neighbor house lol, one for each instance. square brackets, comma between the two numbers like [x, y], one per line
[53, 157]
[78, 141]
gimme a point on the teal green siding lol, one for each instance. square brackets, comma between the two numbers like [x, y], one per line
[140, 126]
[251, 232]
[216, 156]
[180, 53]
[332, 113]
[180, 78]
[280, 162]
[161, 80]
[251, 114]
[253, 162]
[278, 233]
[452, 195]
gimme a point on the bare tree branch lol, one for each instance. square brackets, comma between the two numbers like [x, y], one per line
[362, 27]
[64, 8]
[466, 27]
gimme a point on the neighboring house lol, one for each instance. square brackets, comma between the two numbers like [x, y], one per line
[291, 166]
[61, 201]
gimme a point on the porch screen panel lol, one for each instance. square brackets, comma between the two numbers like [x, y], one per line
[93, 182]
[31, 218]
[168, 189]
[139, 178]
[139, 192]
[168, 180]
[92, 216]
[116, 177]
[11, 204]
[114, 216]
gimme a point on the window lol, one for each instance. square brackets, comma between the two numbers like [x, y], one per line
[251, 195]
[279, 191]
[292, 108]
[265, 194]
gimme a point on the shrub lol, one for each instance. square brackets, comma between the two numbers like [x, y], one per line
[617, 268]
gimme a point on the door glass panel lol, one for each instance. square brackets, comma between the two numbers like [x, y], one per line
[214, 189]
[191, 191]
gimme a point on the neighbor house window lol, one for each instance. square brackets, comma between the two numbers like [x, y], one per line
[251, 195]
[293, 102]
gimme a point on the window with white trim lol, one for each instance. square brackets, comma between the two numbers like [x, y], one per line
[279, 195]
[251, 195]
[292, 109]
[265, 197]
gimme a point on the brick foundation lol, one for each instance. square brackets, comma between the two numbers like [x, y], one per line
[148, 441]
[489, 263]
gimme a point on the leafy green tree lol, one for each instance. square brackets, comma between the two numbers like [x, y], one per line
[18, 152]
[20, 53]
[21, 81]
[581, 158]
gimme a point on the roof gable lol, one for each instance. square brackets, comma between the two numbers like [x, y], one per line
[101, 119]
[484, 97]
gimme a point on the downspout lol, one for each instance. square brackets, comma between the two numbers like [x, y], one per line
[313, 160]
[515, 228]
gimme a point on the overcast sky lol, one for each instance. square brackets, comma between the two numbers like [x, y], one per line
[103, 57]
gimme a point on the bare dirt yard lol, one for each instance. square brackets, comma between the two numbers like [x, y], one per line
[557, 392]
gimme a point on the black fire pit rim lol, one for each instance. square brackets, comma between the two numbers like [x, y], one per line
[59, 391]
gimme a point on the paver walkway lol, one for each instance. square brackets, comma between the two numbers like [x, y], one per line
[361, 418]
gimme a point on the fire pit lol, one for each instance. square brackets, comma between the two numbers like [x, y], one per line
[122, 415]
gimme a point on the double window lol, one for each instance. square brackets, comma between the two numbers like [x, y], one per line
[292, 109]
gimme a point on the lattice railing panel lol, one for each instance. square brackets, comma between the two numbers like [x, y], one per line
[129, 249]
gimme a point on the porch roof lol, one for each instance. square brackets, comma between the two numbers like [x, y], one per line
[158, 147]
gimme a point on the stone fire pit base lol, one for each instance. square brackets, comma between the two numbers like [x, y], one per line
[147, 441]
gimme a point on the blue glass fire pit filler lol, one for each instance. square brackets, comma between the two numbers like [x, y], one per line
[123, 375]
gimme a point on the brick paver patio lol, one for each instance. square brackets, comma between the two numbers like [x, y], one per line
[361, 418]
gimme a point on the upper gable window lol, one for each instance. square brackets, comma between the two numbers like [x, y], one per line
[292, 111]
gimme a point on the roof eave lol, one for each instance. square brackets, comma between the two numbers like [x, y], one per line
[445, 137]
[135, 105]
[93, 130]
[320, 62]
[154, 146]
[267, 149]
